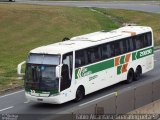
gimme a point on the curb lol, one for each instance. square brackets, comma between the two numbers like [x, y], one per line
[11, 89]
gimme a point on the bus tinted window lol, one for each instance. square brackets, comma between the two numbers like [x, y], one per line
[143, 40]
[139, 42]
[93, 54]
[79, 58]
[111, 49]
[106, 51]
[122, 49]
[131, 44]
[117, 48]
[125, 45]
[112, 46]
[148, 39]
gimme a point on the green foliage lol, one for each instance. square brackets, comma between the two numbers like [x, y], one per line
[137, 17]
[24, 27]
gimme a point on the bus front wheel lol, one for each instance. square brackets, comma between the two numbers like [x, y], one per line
[79, 94]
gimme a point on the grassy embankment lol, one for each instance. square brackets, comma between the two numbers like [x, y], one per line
[137, 17]
[24, 27]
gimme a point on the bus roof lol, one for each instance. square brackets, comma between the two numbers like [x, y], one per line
[92, 39]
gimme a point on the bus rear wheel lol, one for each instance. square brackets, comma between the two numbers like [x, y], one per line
[79, 94]
[138, 73]
[130, 76]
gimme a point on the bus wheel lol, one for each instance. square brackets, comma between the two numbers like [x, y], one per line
[130, 76]
[138, 73]
[79, 94]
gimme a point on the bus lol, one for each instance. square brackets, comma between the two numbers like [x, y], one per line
[69, 70]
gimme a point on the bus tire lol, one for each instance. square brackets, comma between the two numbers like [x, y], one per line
[12, 0]
[130, 76]
[80, 93]
[138, 73]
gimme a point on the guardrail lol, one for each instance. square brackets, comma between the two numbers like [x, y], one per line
[125, 100]
[120, 102]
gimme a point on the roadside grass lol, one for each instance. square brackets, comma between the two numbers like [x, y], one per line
[135, 17]
[24, 27]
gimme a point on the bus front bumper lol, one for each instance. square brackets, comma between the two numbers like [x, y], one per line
[56, 99]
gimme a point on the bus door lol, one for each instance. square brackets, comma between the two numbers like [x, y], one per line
[66, 73]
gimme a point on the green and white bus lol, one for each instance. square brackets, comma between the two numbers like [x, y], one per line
[71, 69]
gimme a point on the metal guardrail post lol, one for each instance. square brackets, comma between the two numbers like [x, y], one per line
[134, 98]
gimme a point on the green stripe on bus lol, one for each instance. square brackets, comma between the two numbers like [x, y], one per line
[134, 56]
[122, 59]
[142, 53]
[119, 69]
[85, 71]
[95, 68]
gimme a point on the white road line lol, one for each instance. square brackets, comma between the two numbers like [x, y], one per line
[98, 99]
[27, 102]
[6, 108]
[11, 94]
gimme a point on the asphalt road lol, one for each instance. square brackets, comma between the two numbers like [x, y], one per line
[16, 103]
[147, 6]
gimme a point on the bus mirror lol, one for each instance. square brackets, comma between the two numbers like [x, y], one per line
[58, 71]
[19, 68]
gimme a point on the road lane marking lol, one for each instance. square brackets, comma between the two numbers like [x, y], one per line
[6, 108]
[11, 94]
[114, 93]
[27, 101]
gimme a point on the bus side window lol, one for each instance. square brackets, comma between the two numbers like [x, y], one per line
[148, 39]
[112, 49]
[122, 49]
[106, 51]
[93, 54]
[132, 45]
[89, 55]
[139, 42]
[126, 45]
[79, 58]
[97, 53]
[117, 48]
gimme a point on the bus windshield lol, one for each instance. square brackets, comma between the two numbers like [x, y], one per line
[40, 72]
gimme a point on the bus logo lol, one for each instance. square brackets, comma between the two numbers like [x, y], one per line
[82, 72]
